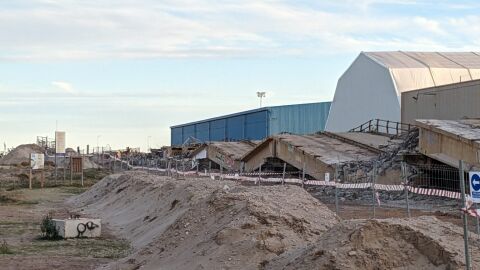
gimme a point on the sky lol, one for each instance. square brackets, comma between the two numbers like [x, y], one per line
[124, 71]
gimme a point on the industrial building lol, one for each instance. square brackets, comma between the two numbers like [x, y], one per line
[448, 102]
[371, 87]
[255, 124]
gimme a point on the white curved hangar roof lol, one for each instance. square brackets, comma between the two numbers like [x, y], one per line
[416, 70]
[372, 85]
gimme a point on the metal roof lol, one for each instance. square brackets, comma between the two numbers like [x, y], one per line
[401, 59]
[242, 113]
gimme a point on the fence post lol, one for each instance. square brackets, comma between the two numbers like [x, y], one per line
[283, 174]
[209, 167]
[477, 221]
[374, 176]
[335, 180]
[405, 182]
[303, 174]
[464, 215]
[259, 173]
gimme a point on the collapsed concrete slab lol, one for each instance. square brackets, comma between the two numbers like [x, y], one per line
[223, 154]
[449, 141]
[317, 154]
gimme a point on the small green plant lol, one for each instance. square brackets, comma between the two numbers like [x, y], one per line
[5, 249]
[49, 231]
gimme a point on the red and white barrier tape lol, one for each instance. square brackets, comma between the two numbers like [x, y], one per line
[383, 187]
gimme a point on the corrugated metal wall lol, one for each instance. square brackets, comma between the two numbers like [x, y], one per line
[448, 102]
[256, 124]
[250, 125]
[299, 119]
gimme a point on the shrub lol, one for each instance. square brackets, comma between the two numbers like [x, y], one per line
[49, 231]
[5, 249]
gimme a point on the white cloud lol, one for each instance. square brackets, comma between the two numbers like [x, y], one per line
[65, 87]
[44, 29]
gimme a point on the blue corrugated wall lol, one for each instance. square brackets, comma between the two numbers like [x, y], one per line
[256, 124]
[299, 119]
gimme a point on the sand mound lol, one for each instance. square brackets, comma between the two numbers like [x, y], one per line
[421, 243]
[204, 224]
[21, 154]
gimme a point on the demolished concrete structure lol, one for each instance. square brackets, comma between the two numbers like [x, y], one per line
[449, 141]
[227, 155]
[316, 154]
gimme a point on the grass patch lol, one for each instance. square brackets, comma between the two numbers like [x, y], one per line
[79, 247]
[10, 228]
[5, 249]
[7, 198]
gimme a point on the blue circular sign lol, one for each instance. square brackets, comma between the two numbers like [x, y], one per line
[475, 182]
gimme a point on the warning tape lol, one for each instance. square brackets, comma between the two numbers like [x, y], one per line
[381, 187]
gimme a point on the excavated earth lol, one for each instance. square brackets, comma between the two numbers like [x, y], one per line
[204, 224]
[419, 243]
[213, 224]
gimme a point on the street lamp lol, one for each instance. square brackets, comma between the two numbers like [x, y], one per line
[261, 95]
[148, 143]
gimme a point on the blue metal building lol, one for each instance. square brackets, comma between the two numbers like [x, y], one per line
[255, 124]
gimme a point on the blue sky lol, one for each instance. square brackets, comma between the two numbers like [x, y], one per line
[129, 69]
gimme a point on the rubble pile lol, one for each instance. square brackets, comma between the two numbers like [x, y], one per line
[361, 171]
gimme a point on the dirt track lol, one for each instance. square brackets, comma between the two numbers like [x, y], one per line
[20, 228]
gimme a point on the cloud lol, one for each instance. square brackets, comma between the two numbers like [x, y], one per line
[65, 87]
[52, 30]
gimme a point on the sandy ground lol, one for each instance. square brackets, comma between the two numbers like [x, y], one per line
[213, 224]
[205, 224]
[20, 228]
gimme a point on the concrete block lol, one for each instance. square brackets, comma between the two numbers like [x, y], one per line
[80, 227]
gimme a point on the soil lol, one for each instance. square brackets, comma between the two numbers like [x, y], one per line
[21, 154]
[204, 224]
[197, 223]
[21, 212]
[420, 243]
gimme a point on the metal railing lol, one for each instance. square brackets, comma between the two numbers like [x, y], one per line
[383, 127]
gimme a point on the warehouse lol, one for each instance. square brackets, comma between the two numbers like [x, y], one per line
[372, 85]
[255, 124]
[448, 102]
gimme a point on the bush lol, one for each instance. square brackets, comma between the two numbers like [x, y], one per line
[4, 249]
[49, 231]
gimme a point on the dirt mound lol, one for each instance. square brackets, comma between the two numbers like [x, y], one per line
[204, 224]
[21, 154]
[420, 243]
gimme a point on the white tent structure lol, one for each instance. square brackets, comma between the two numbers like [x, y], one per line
[371, 87]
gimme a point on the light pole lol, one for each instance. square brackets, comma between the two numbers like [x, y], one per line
[148, 143]
[261, 95]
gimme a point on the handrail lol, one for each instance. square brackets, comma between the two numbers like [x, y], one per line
[383, 127]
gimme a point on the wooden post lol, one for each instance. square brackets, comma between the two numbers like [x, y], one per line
[64, 167]
[82, 170]
[42, 178]
[71, 171]
[30, 179]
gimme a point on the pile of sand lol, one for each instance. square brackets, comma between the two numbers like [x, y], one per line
[204, 224]
[21, 154]
[420, 243]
